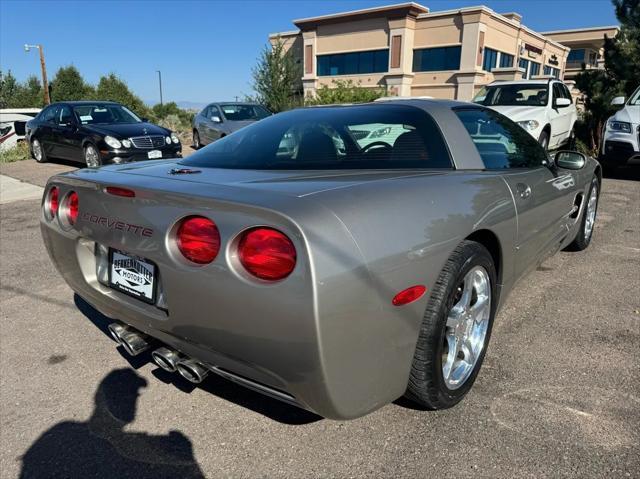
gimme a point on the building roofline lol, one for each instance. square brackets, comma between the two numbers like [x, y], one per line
[289, 33]
[363, 11]
[498, 16]
[588, 29]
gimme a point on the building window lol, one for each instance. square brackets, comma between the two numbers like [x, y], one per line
[436, 59]
[374, 61]
[576, 56]
[524, 63]
[493, 58]
[554, 72]
[535, 69]
[506, 60]
[490, 59]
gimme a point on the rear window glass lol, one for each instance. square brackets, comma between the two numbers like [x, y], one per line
[359, 137]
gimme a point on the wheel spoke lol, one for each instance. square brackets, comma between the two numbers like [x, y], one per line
[454, 345]
[479, 309]
[454, 318]
[466, 347]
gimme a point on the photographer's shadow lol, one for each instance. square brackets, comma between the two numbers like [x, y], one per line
[101, 447]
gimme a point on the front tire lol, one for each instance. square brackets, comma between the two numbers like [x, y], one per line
[544, 140]
[91, 156]
[37, 151]
[583, 238]
[455, 329]
[196, 140]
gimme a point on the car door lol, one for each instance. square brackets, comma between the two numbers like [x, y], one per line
[45, 133]
[66, 136]
[215, 122]
[560, 117]
[201, 125]
[543, 196]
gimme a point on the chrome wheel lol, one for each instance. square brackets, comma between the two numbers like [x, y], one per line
[467, 325]
[591, 212]
[36, 147]
[91, 157]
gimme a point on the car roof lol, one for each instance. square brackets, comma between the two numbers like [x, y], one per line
[85, 102]
[542, 81]
[252, 103]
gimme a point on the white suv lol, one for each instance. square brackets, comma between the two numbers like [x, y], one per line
[542, 107]
[622, 133]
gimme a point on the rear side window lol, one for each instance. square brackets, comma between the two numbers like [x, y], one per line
[359, 137]
[50, 114]
[501, 143]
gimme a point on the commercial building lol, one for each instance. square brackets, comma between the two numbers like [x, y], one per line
[411, 51]
[587, 47]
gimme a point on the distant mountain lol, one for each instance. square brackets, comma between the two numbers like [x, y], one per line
[186, 105]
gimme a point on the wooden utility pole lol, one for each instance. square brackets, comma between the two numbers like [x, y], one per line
[45, 83]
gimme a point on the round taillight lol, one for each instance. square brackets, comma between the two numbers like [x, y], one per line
[267, 253]
[198, 239]
[51, 203]
[71, 207]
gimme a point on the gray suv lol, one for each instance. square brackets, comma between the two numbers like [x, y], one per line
[217, 120]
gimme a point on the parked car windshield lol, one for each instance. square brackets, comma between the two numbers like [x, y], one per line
[357, 137]
[241, 112]
[104, 114]
[635, 97]
[513, 95]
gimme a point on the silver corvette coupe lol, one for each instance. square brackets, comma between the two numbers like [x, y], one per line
[300, 259]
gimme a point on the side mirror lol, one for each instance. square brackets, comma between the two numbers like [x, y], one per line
[144, 119]
[562, 102]
[216, 119]
[570, 160]
[618, 101]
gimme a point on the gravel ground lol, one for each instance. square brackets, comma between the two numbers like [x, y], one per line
[558, 396]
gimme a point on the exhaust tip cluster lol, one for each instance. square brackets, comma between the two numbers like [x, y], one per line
[170, 360]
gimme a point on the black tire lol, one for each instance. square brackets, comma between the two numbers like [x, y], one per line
[544, 140]
[571, 141]
[196, 140]
[583, 238]
[426, 385]
[86, 151]
[43, 156]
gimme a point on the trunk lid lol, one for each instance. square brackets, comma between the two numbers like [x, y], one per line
[289, 182]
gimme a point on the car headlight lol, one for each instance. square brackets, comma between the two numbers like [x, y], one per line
[380, 132]
[175, 138]
[621, 126]
[168, 140]
[529, 124]
[112, 142]
[126, 143]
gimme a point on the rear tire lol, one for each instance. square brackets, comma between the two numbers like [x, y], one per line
[196, 140]
[441, 373]
[91, 156]
[587, 223]
[37, 151]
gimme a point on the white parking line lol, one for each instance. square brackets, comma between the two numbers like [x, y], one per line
[15, 190]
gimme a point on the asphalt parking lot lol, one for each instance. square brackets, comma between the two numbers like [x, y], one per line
[558, 395]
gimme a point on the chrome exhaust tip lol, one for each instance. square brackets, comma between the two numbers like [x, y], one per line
[135, 343]
[117, 330]
[192, 370]
[166, 358]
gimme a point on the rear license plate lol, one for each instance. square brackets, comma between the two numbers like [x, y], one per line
[132, 275]
[154, 154]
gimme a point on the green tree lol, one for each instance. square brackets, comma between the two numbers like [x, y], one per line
[112, 88]
[30, 94]
[342, 91]
[9, 88]
[619, 77]
[277, 78]
[68, 85]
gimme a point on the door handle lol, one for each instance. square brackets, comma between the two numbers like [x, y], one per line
[523, 190]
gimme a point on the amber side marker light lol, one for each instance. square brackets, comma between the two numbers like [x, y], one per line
[408, 295]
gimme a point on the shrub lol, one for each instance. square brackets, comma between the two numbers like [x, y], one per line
[19, 153]
[345, 91]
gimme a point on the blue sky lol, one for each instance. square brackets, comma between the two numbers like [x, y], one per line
[205, 49]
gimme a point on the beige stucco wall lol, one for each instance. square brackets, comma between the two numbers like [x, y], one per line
[369, 34]
[437, 31]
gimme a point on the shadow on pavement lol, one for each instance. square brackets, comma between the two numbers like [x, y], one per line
[223, 388]
[101, 447]
[627, 172]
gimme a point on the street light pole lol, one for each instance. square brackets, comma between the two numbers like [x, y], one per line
[160, 83]
[43, 67]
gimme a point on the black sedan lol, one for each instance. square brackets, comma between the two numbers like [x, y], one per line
[97, 133]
